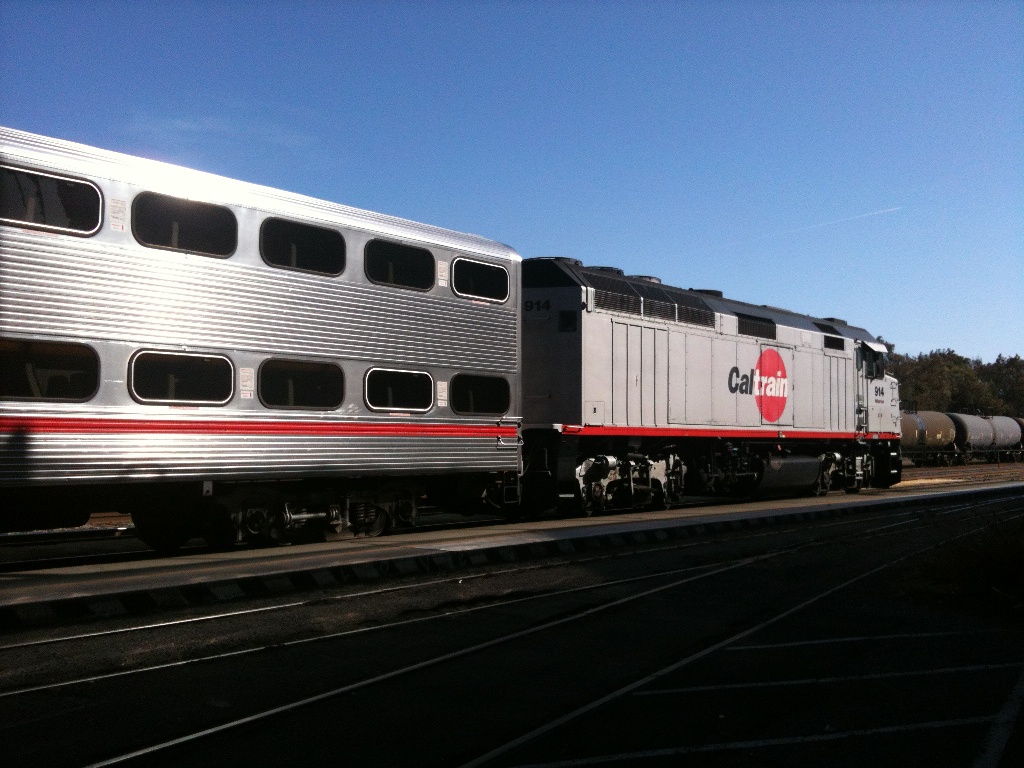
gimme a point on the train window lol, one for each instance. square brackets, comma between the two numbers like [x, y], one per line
[388, 390]
[835, 342]
[172, 377]
[762, 327]
[404, 266]
[479, 281]
[290, 245]
[172, 223]
[295, 384]
[49, 202]
[479, 394]
[45, 370]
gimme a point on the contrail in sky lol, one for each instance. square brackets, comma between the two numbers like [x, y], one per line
[823, 224]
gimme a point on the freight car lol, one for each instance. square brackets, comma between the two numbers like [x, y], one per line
[233, 361]
[930, 437]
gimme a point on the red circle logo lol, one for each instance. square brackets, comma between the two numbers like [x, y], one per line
[771, 385]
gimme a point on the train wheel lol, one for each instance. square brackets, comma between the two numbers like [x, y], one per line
[369, 520]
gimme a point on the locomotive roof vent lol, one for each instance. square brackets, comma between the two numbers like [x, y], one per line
[648, 278]
[568, 260]
[708, 292]
[835, 320]
[612, 270]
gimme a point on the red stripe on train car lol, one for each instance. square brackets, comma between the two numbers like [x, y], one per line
[76, 425]
[775, 434]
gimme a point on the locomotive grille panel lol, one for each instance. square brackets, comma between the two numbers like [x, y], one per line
[659, 309]
[98, 291]
[696, 316]
[617, 302]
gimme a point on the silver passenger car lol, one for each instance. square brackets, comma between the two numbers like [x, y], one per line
[223, 358]
[635, 391]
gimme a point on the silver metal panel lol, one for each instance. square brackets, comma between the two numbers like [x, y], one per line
[648, 368]
[819, 392]
[676, 377]
[698, 384]
[802, 390]
[620, 373]
[723, 402]
[661, 365]
[634, 389]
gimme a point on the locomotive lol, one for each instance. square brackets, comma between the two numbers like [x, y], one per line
[226, 360]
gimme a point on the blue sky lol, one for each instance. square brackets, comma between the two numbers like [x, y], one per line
[863, 160]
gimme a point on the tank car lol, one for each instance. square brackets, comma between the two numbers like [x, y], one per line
[636, 393]
[928, 437]
[229, 360]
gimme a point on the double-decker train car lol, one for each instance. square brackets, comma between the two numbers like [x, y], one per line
[636, 392]
[232, 361]
[222, 358]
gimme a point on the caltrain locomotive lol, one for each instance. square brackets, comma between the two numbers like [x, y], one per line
[240, 363]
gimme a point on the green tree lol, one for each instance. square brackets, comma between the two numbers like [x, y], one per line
[942, 380]
[1005, 377]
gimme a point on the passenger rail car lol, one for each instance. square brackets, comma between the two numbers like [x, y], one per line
[223, 358]
[637, 392]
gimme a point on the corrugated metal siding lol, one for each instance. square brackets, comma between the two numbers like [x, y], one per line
[93, 458]
[92, 291]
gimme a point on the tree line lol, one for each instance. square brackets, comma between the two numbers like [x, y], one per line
[942, 380]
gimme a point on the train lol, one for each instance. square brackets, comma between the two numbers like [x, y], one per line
[941, 439]
[234, 362]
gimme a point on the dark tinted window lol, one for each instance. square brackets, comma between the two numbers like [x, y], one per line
[172, 378]
[36, 370]
[292, 245]
[294, 384]
[403, 265]
[479, 394]
[49, 202]
[160, 221]
[835, 342]
[545, 273]
[484, 281]
[399, 390]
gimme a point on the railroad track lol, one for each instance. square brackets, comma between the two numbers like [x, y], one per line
[491, 622]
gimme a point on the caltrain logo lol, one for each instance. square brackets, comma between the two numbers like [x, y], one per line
[767, 382]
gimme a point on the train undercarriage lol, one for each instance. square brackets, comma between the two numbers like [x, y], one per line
[587, 476]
